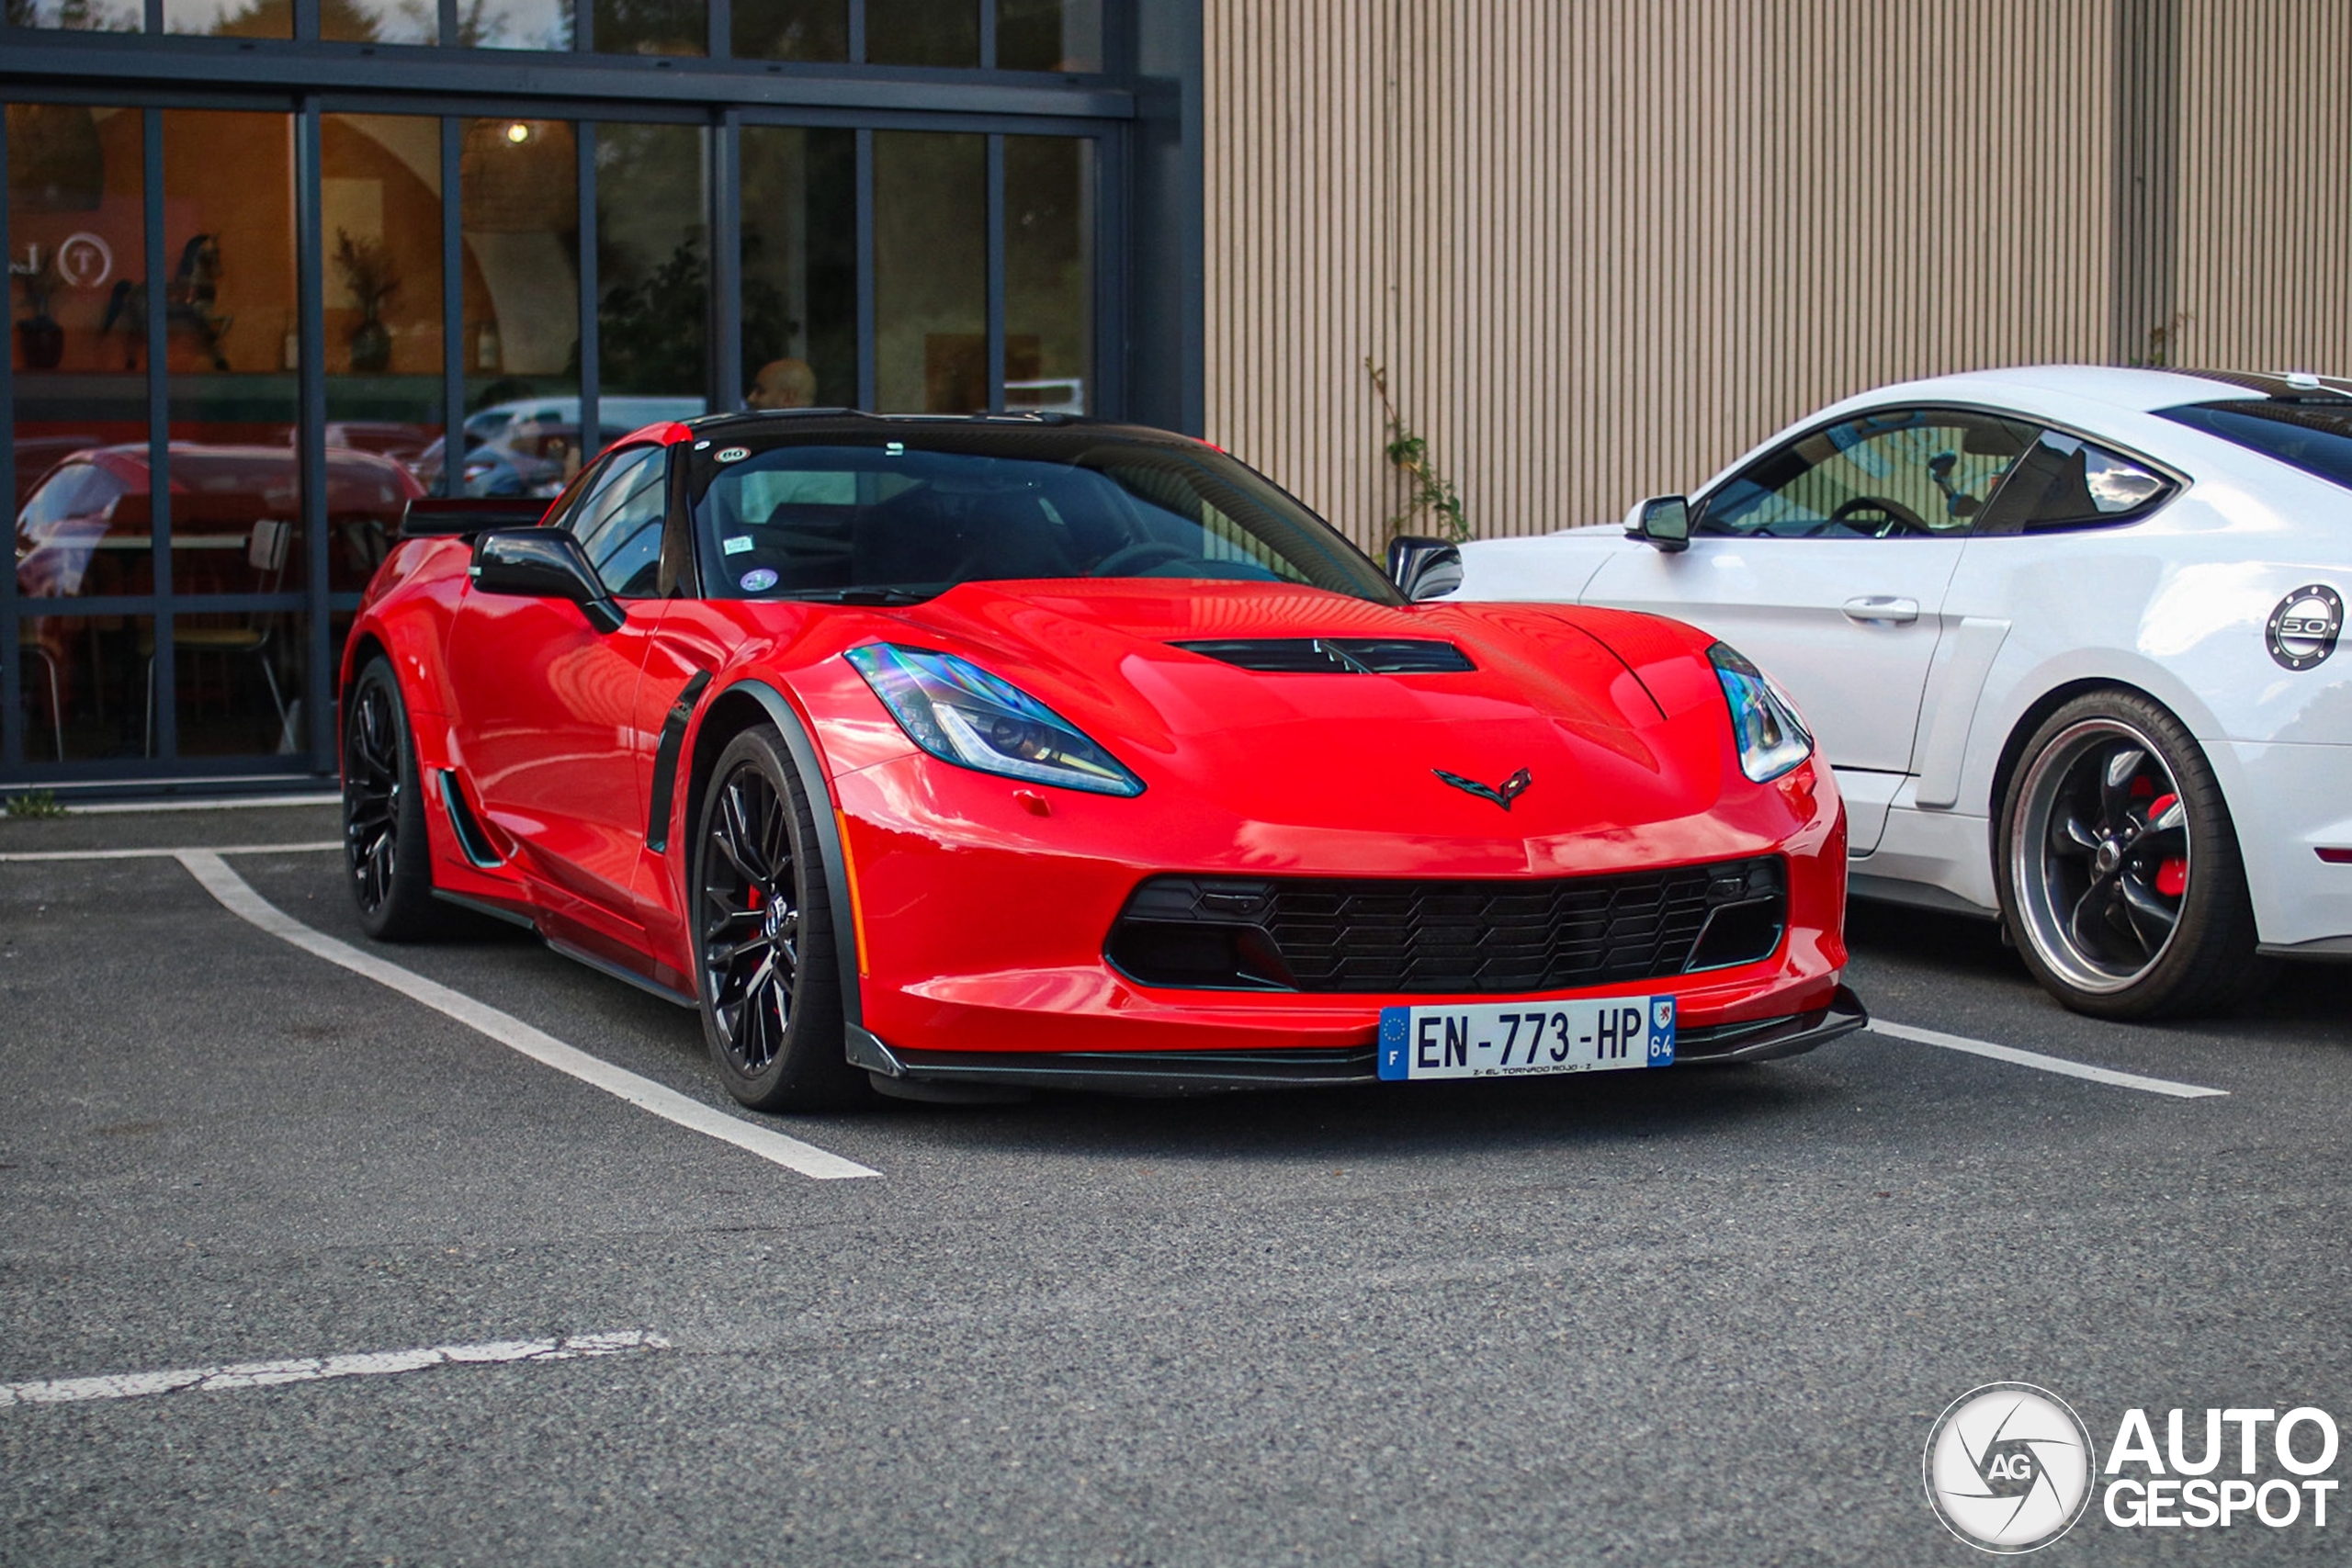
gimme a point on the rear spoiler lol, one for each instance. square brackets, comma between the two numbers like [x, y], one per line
[467, 515]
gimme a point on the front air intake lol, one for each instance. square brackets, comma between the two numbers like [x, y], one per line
[1335, 655]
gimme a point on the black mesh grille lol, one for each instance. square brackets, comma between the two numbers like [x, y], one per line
[1435, 937]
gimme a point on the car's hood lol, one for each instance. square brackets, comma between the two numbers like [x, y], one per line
[1353, 751]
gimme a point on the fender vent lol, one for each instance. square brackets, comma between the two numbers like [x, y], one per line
[469, 834]
[1335, 655]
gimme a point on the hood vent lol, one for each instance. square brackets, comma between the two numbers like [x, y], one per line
[1335, 655]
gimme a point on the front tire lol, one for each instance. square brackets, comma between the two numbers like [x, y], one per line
[2118, 868]
[766, 970]
[384, 847]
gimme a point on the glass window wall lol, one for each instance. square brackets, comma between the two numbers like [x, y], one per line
[799, 267]
[931, 291]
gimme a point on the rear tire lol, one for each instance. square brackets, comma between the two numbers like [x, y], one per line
[766, 970]
[385, 851]
[2119, 870]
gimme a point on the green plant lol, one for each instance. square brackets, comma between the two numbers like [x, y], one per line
[2160, 340]
[35, 803]
[1425, 489]
[368, 271]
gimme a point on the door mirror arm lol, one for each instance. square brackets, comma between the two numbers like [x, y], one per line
[544, 563]
[1423, 568]
[1663, 521]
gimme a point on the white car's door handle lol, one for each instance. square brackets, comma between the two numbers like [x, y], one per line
[1881, 607]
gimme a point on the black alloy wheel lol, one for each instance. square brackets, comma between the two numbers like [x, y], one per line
[764, 957]
[2120, 874]
[384, 812]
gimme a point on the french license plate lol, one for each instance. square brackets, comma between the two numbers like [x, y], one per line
[1497, 1040]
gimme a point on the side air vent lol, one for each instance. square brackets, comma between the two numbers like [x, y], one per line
[1335, 655]
[470, 837]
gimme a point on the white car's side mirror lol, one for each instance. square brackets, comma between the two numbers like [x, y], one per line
[1663, 521]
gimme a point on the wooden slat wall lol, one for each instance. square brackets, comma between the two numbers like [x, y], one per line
[2265, 226]
[1604, 245]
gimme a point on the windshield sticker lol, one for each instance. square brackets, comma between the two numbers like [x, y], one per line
[730, 454]
[894, 449]
[702, 445]
[759, 581]
[738, 544]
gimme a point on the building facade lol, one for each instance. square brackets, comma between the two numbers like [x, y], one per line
[276, 267]
[272, 250]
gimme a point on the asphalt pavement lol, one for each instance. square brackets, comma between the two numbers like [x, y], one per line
[1694, 1317]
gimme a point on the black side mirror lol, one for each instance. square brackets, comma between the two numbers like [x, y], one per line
[544, 563]
[1663, 521]
[1423, 568]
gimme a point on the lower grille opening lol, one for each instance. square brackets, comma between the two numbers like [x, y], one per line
[1426, 936]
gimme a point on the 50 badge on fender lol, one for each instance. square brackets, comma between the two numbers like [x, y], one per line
[963, 757]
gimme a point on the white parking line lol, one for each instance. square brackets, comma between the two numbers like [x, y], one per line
[238, 897]
[171, 853]
[372, 1363]
[213, 802]
[2035, 1059]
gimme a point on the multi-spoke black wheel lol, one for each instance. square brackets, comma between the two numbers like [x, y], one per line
[384, 812]
[2121, 876]
[764, 954]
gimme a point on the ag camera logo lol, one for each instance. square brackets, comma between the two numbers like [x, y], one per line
[2008, 1467]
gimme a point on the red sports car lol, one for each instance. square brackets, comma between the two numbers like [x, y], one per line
[958, 757]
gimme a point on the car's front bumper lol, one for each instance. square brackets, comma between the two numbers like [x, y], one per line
[1155, 1073]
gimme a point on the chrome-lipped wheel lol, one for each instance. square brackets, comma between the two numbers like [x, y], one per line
[371, 794]
[2099, 855]
[751, 918]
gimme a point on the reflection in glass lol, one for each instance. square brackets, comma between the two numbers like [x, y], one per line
[381, 21]
[519, 189]
[652, 27]
[1050, 35]
[231, 18]
[653, 262]
[79, 15]
[930, 272]
[380, 206]
[514, 23]
[791, 29]
[239, 680]
[923, 32]
[1048, 272]
[799, 211]
[84, 686]
[76, 306]
[233, 332]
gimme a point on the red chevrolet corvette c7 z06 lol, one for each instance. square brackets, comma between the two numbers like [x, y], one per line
[957, 757]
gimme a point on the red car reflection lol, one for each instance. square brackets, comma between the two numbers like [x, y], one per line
[88, 528]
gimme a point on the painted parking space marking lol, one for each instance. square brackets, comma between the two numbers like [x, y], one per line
[2035, 1059]
[239, 898]
[315, 1368]
[21, 855]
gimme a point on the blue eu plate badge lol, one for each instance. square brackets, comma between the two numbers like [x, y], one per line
[1486, 1040]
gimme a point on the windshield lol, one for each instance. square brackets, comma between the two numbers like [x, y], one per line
[2315, 438]
[906, 512]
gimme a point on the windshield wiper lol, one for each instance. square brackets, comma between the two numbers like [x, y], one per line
[859, 596]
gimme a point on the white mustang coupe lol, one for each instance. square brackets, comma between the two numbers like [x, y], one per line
[2066, 636]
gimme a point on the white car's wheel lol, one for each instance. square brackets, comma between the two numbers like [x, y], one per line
[2119, 869]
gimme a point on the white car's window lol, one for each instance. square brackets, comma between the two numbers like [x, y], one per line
[2066, 482]
[1902, 473]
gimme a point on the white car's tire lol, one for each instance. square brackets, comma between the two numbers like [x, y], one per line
[2118, 868]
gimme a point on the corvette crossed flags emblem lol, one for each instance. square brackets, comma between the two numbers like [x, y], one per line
[1511, 789]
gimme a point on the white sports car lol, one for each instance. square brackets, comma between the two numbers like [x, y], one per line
[2064, 634]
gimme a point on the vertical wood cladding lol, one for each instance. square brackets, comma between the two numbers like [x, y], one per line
[1602, 246]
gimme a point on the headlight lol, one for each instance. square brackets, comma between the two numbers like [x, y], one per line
[1772, 739]
[961, 714]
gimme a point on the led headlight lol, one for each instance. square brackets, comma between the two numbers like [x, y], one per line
[961, 714]
[1772, 739]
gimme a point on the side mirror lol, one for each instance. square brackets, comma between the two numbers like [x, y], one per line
[1663, 521]
[544, 563]
[1423, 568]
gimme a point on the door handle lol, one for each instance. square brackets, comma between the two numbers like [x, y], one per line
[1881, 607]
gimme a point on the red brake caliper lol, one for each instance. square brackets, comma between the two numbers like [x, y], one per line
[2172, 876]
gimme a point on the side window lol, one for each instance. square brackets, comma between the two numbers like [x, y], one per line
[618, 522]
[2064, 484]
[1899, 473]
